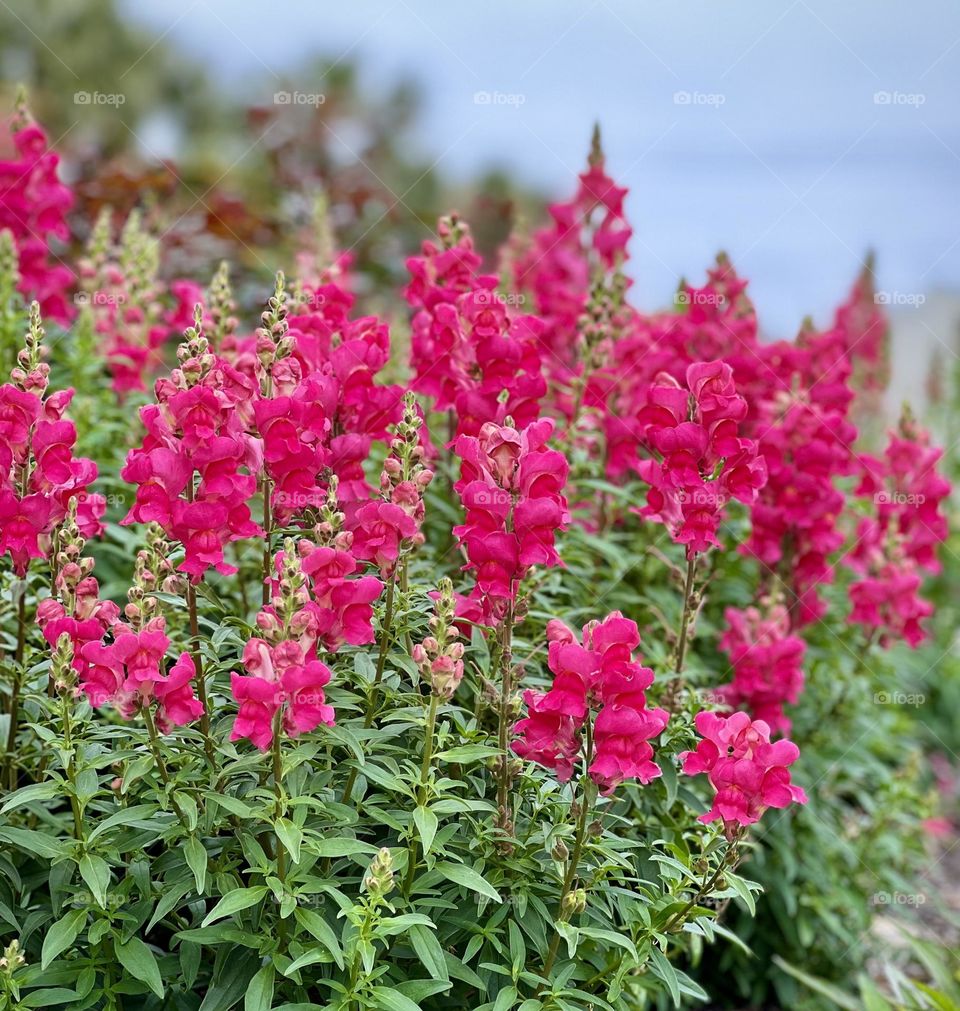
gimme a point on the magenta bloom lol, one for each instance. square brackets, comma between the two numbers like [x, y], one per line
[748, 773]
[699, 462]
[599, 675]
[511, 486]
[177, 705]
[767, 664]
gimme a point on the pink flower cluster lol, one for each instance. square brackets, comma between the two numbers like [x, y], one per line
[586, 233]
[748, 772]
[805, 439]
[383, 528]
[511, 486]
[596, 676]
[33, 207]
[699, 461]
[767, 664]
[469, 352]
[127, 673]
[127, 303]
[900, 539]
[196, 468]
[317, 600]
[38, 472]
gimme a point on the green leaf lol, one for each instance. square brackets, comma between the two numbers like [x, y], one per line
[231, 804]
[460, 874]
[96, 874]
[259, 995]
[61, 935]
[466, 753]
[743, 891]
[197, 862]
[341, 848]
[834, 994]
[427, 824]
[53, 997]
[37, 844]
[234, 902]
[315, 925]
[140, 813]
[26, 794]
[662, 967]
[140, 962]
[291, 837]
[392, 1000]
[429, 951]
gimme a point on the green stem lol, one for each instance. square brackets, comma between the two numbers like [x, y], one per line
[503, 730]
[199, 679]
[267, 538]
[9, 765]
[706, 887]
[279, 809]
[685, 618]
[385, 636]
[68, 766]
[422, 788]
[574, 861]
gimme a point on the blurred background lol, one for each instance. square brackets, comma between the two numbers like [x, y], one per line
[795, 135]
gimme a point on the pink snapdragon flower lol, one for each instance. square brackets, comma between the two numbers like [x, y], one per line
[39, 474]
[699, 460]
[197, 467]
[899, 541]
[33, 207]
[767, 664]
[600, 676]
[748, 772]
[511, 486]
[285, 678]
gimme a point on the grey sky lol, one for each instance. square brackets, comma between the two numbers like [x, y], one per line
[793, 135]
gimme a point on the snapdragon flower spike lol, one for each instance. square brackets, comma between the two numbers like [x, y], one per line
[283, 687]
[748, 772]
[511, 485]
[767, 664]
[33, 207]
[699, 460]
[596, 678]
[388, 527]
[469, 352]
[127, 303]
[75, 609]
[900, 539]
[39, 475]
[320, 408]
[586, 234]
[438, 277]
[440, 655]
[196, 468]
[123, 665]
